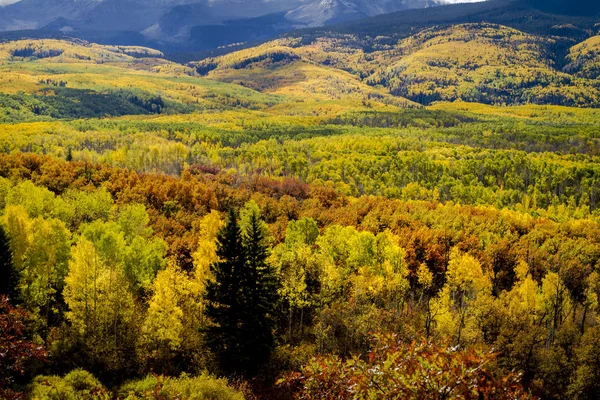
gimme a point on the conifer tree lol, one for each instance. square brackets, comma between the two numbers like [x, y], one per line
[222, 295]
[259, 291]
[243, 296]
[9, 278]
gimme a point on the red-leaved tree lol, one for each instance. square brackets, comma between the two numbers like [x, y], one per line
[16, 351]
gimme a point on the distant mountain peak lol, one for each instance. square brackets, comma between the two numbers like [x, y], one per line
[323, 12]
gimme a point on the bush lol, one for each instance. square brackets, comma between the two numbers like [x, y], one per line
[397, 370]
[203, 387]
[77, 385]
[17, 353]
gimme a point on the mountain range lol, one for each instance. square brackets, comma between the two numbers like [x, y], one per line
[177, 26]
[195, 23]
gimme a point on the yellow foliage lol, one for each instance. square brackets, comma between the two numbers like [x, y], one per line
[466, 294]
[206, 254]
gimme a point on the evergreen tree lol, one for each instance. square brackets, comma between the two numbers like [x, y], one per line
[9, 278]
[243, 296]
[259, 291]
[69, 154]
[222, 295]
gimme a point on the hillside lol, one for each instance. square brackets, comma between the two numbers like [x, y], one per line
[476, 62]
[584, 59]
[279, 68]
[57, 78]
[480, 63]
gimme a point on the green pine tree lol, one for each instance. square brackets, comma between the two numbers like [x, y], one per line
[9, 278]
[222, 295]
[243, 296]
[259, 292]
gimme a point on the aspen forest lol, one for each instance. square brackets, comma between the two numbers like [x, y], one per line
[326, 215]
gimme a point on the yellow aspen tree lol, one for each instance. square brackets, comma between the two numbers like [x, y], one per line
[555, 301]
[40, 250]
[101, 305]
[81, 290]
[467, 288]
[163, 325]
[425, 280]
[206, 253]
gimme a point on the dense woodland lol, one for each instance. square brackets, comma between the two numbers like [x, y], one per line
[169, 236]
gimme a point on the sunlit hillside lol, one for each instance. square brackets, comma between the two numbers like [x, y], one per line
[584, 59]
[284, 67]
[480, 62]
[46, 78]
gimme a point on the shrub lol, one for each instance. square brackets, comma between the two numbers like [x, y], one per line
[396, 370]
[77, 385]
[16, 351]
[203, 387]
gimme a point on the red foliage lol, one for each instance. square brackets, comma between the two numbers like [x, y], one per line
[16, 351]
[397, 370]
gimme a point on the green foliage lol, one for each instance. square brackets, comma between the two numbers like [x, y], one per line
[302, 232]
[259, 287]
[10, 277]
[80, 103]
[463, 223]
[203, 387]
[224, 306]
[40, 249]
[76, 385]
[101, 306]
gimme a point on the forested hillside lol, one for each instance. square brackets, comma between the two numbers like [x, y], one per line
[343, 216]
[475, 62]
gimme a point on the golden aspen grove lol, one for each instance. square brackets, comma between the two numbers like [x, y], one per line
[405, 206]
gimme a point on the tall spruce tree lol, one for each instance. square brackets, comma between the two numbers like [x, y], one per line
[259, 291]
[224, 306]
[69, 157]
[242, 297]
[9, 278]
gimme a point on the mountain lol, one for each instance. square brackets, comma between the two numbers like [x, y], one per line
[93, 14]
[171, 21]
[222, 19]
[131, 14]
[575, 7]
[33, 14]
[327, 12]
[188, 26]
[498, 52]
[528, 15]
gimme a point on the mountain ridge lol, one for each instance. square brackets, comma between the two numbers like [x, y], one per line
[165, 19]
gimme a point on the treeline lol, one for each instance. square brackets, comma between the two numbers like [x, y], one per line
[113, 268]
[36, 52]
[59, 102]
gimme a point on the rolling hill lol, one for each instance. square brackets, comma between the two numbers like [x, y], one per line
[75, 79]
[279, 68]
[476, 62]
